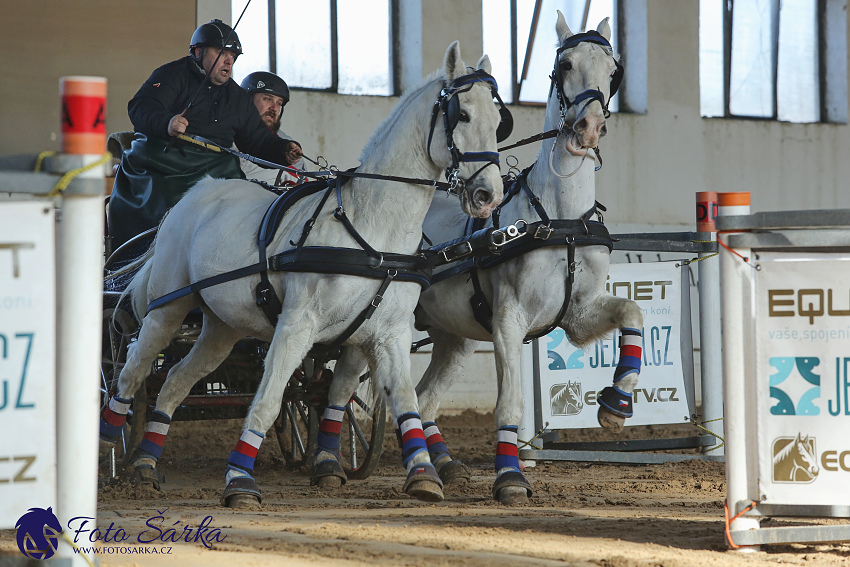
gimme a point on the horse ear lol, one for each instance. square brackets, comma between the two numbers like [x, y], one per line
[453, 65]
[604, 29]
[484, 64]
[562, 28]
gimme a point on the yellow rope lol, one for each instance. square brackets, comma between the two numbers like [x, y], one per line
[74, 545]
[530, 441]
[40, 159]
[68, 177]
[722, 441]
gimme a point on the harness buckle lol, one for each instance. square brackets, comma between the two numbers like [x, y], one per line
[457, 251]
[377, 301]
[339, 213]
[543, 232]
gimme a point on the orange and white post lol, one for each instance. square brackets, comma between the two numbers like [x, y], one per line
[79, 301]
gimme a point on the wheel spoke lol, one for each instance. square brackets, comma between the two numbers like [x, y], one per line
[354, 427]
[297, 442]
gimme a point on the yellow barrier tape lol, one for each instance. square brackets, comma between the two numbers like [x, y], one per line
[68, 177]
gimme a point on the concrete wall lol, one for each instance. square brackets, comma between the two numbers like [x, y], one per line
[654, 162]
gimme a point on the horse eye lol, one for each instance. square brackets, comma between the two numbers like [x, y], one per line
[567, 66]
[463, 116]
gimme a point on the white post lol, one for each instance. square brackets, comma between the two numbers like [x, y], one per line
[734, 284]
[711, 371]
[526, 429]
[80, 291]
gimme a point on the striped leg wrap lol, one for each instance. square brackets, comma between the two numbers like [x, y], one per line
[506, 448]
[630, 353]
[329, 430]
[243, 455]
[151, 445]
[114, 417]
[412, 437]
[436, 446]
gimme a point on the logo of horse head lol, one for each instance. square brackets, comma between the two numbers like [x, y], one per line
[566, 398]
[38, 533]
[795, 459]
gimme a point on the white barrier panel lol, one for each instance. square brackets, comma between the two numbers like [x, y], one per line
[802, 360]
[570, 378]
[27, 359]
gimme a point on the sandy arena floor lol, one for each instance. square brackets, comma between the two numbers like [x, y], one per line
[602, 515]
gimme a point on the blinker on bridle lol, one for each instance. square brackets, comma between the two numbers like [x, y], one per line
[449, 105]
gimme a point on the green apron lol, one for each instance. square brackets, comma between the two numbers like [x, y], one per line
[153, 177]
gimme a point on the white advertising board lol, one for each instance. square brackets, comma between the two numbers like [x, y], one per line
[27, 359]
[802, 361]
[571, 378]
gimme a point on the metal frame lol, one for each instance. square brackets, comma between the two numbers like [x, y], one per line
[629, 451]
[803, 231]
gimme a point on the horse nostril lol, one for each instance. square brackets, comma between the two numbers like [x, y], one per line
[603, 130]
[581, 125]
[482, 197]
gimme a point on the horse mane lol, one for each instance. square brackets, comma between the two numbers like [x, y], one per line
[786, 450]
[406, 99]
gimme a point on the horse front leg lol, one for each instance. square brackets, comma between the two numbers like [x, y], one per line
[327, 471]
[286, 351]
[448, 358]
[603, 315]
[209, 351]
[509, 329]
[391, 363]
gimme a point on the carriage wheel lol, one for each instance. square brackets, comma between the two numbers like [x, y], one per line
[118, 326]
[297, 425]
[362, 436]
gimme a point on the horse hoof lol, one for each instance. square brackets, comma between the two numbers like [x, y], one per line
[512, 496]
[454, 472]
[147, 476]
[423, 483]
[511, 488]
[328, 475]
[243, 502]
[425, 490]
[609, 421]
[241, 492]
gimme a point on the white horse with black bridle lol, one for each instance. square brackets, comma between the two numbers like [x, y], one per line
[373, 224]
[545, 287]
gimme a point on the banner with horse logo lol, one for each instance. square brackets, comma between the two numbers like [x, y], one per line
[801, 359]
[571, 378]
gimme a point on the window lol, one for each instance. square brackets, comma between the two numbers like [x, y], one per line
[523, 65]
[343, 46]
[777, 60]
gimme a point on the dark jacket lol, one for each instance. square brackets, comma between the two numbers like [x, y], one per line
[222, 113]
[154, 173]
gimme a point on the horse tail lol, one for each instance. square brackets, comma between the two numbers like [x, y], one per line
[138, 289]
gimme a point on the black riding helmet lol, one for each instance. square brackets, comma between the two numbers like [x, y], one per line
[215, 34]
[265, 82]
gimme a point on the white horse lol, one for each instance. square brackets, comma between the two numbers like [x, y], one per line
[533, 292]
[214, 229]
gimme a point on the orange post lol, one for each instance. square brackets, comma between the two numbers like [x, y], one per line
[83, 115]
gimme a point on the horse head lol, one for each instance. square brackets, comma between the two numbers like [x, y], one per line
[468, 119]
[585, 76]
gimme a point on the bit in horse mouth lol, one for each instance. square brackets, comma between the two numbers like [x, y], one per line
[574, 147]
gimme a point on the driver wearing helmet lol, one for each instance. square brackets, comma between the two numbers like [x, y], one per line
[270, 94]
[194, 95]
